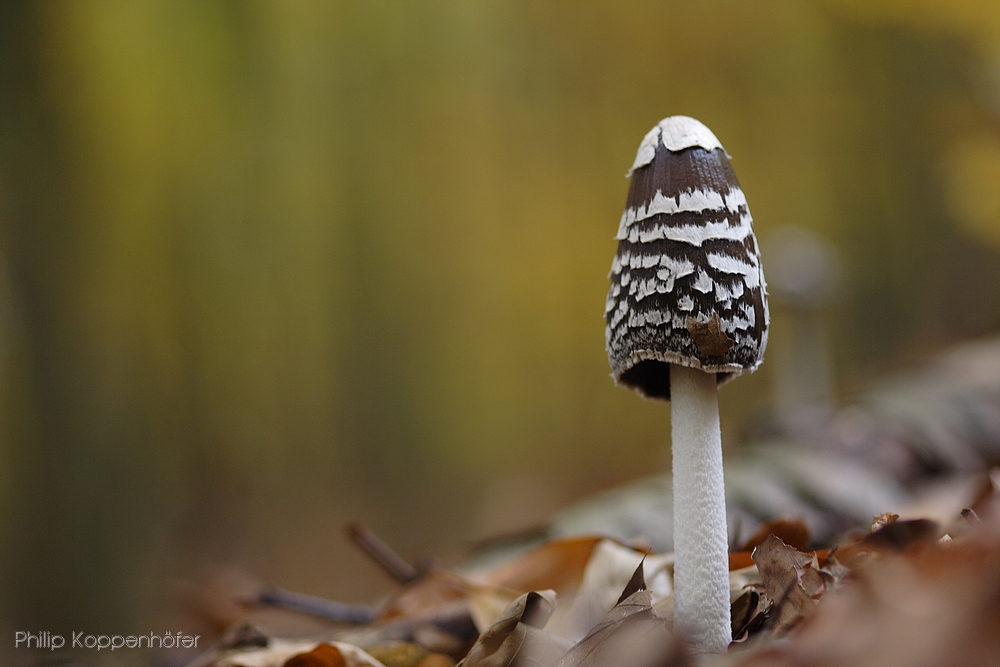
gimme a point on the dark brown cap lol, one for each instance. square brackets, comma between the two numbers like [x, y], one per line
[686, 284]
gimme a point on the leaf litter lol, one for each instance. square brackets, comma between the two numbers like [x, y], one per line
[911, 592]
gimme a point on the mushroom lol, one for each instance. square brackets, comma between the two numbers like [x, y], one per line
[686, 312]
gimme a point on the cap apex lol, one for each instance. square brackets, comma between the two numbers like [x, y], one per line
[675, 134]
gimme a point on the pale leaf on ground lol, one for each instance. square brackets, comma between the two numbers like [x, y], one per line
[516, 638]
[631, 633]
[607, 573]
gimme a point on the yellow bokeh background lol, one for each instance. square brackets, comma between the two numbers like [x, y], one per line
[267, 267]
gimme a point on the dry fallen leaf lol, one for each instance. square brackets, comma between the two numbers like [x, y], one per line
[934, 605]
[516, 638]
[557, 565]
[631, 633]
[746, 615]
[608, 572]
[792, 583]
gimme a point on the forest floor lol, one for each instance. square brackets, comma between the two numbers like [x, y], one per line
[911, 592]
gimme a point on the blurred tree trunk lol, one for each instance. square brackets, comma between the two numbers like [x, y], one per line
[76, 489]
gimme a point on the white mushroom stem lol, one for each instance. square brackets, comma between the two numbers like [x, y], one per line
[701, 566]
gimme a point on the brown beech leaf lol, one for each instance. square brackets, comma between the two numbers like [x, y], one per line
[792, 582]
[516, 638]
[937, 605]
[556, 565]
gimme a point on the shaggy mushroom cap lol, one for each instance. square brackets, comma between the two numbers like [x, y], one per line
[686, 283]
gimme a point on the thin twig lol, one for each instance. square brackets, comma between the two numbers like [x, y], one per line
[316, 606]
[382, 553]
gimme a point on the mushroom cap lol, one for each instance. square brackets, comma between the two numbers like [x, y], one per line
[687, 286]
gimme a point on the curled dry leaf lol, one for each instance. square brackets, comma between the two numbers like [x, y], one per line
[631, 633]
[516, 638]
[937, 605]
[746, 593]
[746, 615]
[792, 582]
[636, 583]
[743, 579]
[487, 603]
[793, 532]
[608, 572]
[631, 616]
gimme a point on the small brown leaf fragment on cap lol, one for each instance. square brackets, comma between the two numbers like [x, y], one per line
[711, 340]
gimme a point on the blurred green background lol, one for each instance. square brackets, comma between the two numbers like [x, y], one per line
[266, 267]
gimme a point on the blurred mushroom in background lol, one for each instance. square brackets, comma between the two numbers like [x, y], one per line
[918, 443]
[803, 275]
